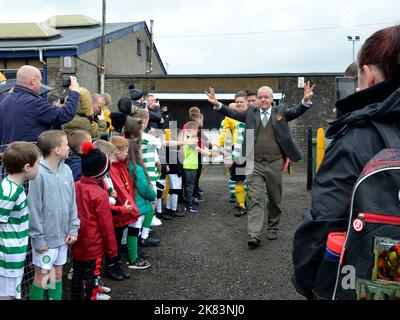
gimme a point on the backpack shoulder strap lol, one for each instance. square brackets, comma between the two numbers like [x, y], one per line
[390, 133]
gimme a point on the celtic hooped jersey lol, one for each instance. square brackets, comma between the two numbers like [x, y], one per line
[14, 224]
[150, 145]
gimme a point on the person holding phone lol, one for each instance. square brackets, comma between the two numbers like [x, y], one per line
[154, 111]
[356, 140]
[24, 115]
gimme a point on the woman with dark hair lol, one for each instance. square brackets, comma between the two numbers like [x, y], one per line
[356, 140]
[118, 119]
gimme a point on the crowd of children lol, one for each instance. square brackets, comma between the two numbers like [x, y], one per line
[94, 202]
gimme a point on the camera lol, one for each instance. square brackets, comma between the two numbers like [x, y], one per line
[66, 82]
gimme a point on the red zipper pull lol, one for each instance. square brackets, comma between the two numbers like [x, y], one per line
[359, 224]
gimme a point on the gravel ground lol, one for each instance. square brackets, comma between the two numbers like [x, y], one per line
[205, 255]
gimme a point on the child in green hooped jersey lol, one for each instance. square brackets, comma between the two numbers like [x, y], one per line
[21, 160]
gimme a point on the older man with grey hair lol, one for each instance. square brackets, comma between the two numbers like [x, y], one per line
[268, 142]
[24, 115]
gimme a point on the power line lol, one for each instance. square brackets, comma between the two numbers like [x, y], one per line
[274, 31]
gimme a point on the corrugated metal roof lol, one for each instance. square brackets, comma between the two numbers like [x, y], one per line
[69, 37]
[65, 21]
[27, 30]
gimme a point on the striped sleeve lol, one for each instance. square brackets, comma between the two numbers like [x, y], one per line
[9, 194]
[237, 150]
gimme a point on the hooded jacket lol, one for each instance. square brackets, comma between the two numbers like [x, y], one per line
[84, 117]
[96, 235]
[52, 207]
[356, 140]
[24, 115]
[123, 186]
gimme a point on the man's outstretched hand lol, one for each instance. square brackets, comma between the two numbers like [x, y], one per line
[211, 97]
[308, 92]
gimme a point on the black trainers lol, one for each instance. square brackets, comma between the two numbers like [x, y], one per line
[175, 214]
[139, 264]
[198, 199]
[241, 212]
[162, 216]
[149, 242]
[113, 275]
[253, 243]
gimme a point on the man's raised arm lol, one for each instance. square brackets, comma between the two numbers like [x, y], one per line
[229, 112]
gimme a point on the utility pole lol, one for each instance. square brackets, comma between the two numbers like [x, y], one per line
[150, 70]
[102, 67]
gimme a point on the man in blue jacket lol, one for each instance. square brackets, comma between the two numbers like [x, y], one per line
[24, 115]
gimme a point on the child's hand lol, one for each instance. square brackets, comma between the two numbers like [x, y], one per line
[128, 206]
[192, 141]
[70, 239]
[113, 194]
[228, 163]
[42, 249]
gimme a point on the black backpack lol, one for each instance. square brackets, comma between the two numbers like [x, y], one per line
[369, 266]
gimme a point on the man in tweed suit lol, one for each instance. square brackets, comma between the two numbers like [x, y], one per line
[267, 144]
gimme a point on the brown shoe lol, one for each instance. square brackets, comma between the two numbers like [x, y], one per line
[272, 235]
[253, 243]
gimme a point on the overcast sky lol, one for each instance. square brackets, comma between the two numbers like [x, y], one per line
[237, 36]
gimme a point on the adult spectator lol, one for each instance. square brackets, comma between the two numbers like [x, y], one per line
[107, 111]
[137, 98]
[356, 139]
[251, 98]
[85, 119]
[24, 115]
[154, 111]
[166, 117]
[265, 158]
[54, 100]
[118, 118]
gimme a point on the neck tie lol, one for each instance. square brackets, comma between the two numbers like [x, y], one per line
[265, 118]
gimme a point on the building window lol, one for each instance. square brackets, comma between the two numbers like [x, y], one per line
[148, 54]
[139, 47]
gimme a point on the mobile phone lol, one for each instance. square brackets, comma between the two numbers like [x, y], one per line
[345, 86]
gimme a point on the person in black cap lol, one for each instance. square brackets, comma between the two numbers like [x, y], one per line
[96, 233]
[137, 99]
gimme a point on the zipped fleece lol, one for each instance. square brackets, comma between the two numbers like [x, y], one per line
[52, 206]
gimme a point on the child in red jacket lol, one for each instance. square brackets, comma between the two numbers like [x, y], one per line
[117, 183]
[96, 234]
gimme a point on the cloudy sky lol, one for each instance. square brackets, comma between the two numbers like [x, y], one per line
[236, 36]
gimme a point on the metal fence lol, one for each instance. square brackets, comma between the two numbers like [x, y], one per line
[29, 268]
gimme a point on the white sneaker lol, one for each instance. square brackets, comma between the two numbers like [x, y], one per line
[156, 222]
[102, 296]
[104, 289]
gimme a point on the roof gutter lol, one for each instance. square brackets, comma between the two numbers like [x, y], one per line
[39, 48]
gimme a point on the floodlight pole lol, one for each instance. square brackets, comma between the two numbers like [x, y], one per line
[356, 38]
[102, 67]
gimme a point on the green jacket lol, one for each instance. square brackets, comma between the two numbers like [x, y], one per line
[81, 121]
[144, 194]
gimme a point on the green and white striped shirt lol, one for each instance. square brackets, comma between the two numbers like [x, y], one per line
[14, 225]
[150, 145]
[237, 148]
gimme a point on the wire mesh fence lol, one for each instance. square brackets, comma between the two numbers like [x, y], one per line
[29, 270]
